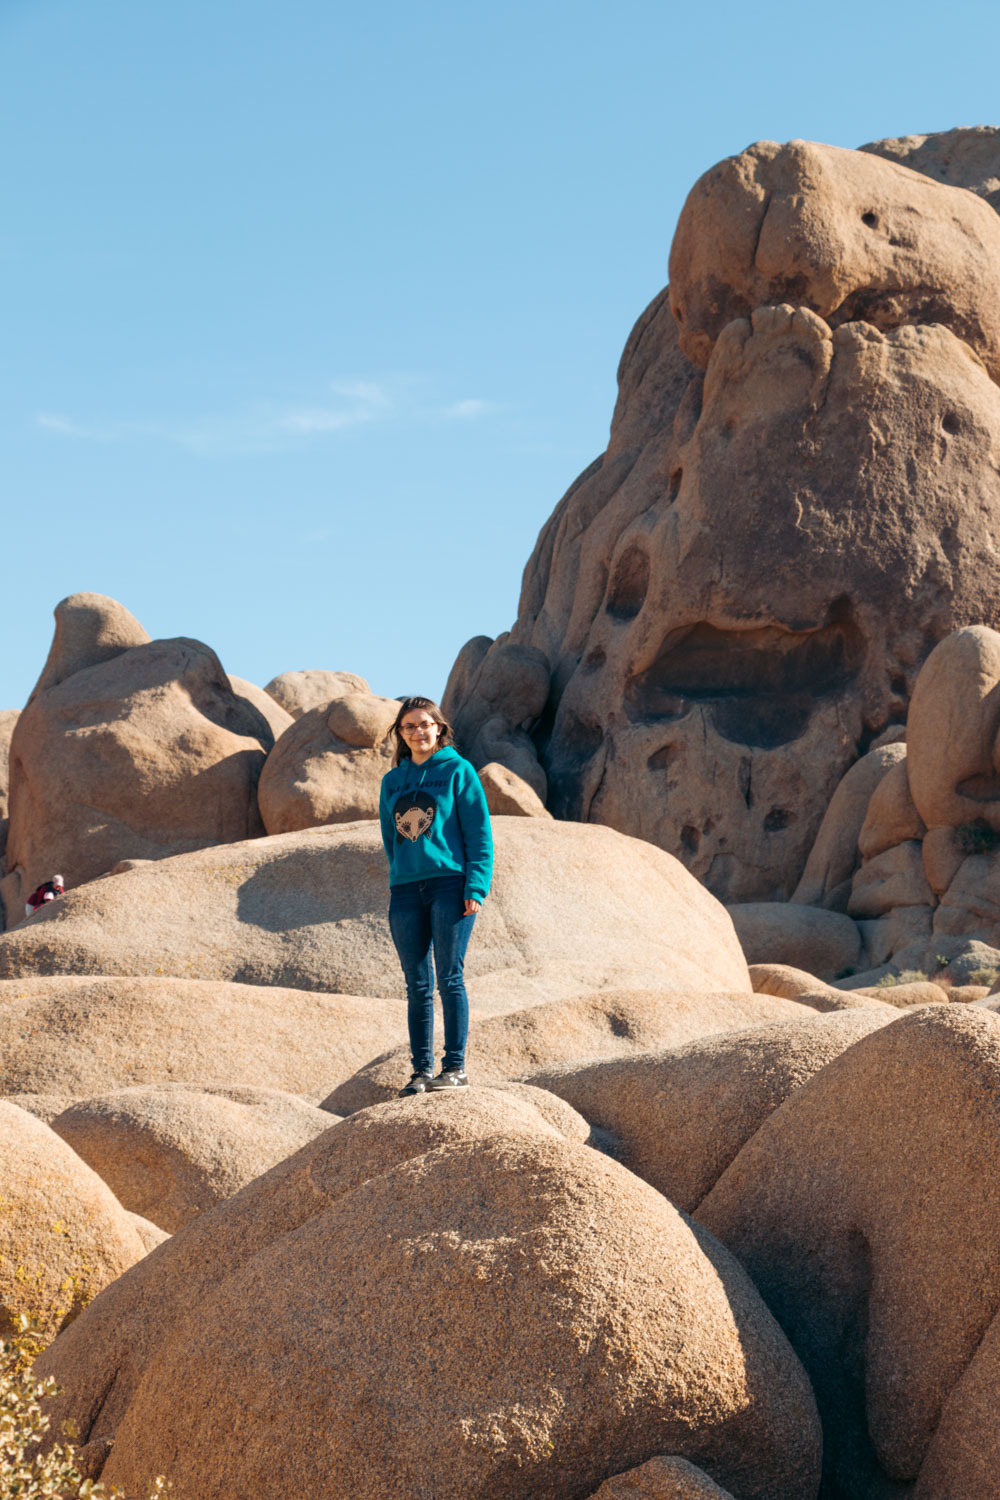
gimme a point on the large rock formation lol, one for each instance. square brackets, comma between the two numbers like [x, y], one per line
[597, 1328]
[733, 602]
[573, 909]
[127, 748]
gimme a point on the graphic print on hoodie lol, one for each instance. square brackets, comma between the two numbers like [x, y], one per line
[413, 814]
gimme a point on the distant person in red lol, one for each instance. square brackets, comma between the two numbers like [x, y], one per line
[45, 892]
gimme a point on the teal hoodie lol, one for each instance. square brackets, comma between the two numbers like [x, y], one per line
[435, 822]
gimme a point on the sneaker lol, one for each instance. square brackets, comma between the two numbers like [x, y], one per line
[449, 1078]
[418, 1084]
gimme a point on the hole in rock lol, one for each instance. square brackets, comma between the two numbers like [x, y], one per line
[870, 219]
[660, 759]
[578, 739]
[983, 788]
[674, 485]
[761, 684]
[595, 659]
[951, 422]
[690, 838]
[777, 819]
[629, 582]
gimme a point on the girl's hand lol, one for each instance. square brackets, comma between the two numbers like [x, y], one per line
[471, 907]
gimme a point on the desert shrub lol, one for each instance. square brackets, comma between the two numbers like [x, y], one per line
[977, 838]
[906, 976]
[988, 977]
[26, 1472]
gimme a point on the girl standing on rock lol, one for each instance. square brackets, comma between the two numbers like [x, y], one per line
[436, 832]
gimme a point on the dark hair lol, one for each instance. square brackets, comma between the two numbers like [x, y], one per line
[445, 737]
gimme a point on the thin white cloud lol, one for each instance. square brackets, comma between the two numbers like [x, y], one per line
[51, 421]
[465, 411]
[269, 427]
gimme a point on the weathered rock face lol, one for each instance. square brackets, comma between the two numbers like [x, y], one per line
[127, 748]
[328, 767]
[735, 600]
[573, 909]
[562, 1371]
[866, 1210]
[840, 232]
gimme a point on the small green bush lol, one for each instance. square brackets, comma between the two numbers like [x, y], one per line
[983, 976]
[977, 838]
[907, 976]
[27, 1473]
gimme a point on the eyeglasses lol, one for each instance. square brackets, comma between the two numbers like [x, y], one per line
[418, 728]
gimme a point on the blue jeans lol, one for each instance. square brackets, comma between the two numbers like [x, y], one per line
[425, 914]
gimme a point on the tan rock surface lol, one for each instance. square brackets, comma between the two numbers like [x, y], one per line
[953, 726]
[804, 937]
[8, 718]
[170, 1151]
[902, 996]
[496, 690]
[524, 1396]
[968, 158]
[679, 1116]
[891, 817]
[151, 1234]
[127, 748]
[970, 907]
[785, 980]
[298, 692]
[278, 719]
[848, 235]
[73, 1036]
[866, 1210]
[108, 1349]
[508, 795]
[662, 1478]
[891, 879]
[106, 1352]
[834, 857]
[63, 1234]
[573, 909]
[328, 767]
[616, 1024]
[943, 854]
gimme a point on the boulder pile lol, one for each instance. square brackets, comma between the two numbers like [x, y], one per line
[718, 1216]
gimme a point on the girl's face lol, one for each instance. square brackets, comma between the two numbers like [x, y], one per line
[420, 732]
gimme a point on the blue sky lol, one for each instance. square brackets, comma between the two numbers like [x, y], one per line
[311, 312]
